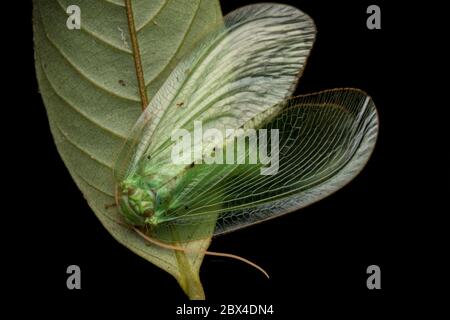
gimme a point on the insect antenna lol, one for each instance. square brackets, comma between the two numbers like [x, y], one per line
[210, 253]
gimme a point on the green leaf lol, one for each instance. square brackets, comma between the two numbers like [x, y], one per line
[90, 86]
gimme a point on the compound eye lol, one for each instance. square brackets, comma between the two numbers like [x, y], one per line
[149, 213]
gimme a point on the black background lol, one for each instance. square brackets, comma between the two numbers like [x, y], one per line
[316, 257]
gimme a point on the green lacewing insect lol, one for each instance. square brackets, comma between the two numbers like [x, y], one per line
[242, 77]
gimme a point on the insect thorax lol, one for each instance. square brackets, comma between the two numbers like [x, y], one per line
[144, 198]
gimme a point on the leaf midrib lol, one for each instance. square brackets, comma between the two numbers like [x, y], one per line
[136, 55]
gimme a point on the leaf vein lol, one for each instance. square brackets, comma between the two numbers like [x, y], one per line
[81, 149]
[180, 44]
[152, 18]
[97, 36]
[73, 107]
[79, 71]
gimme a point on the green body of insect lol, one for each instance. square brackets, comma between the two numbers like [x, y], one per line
[144, 199]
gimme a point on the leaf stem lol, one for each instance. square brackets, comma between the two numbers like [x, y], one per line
[136, 55]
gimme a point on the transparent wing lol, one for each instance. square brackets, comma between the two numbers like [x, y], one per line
[250, 64]
[325, 139]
